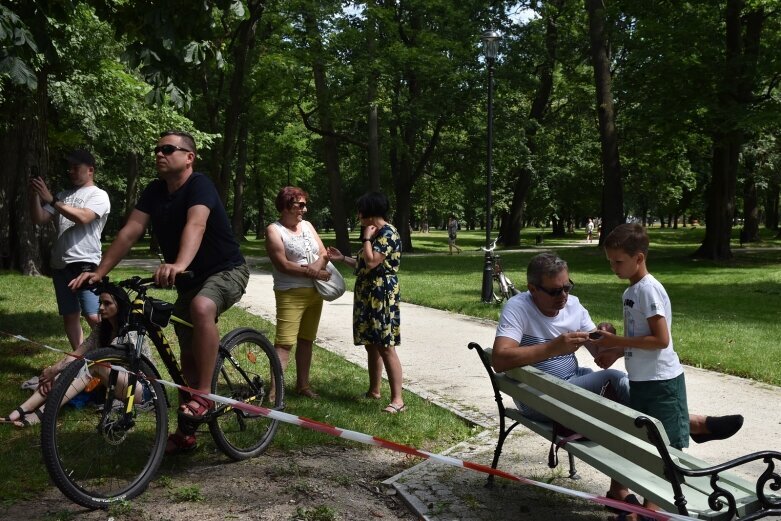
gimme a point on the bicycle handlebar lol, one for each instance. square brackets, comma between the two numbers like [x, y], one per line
[490, 248]
[136, 282]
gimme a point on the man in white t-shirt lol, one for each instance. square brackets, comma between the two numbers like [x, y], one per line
[80, 213]
[545, 325]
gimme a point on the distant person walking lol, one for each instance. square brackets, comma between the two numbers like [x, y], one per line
[452, 233]
[590, 230]
[80, 213]
[376, 314]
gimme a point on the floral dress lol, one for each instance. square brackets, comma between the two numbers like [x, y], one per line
[376, 314]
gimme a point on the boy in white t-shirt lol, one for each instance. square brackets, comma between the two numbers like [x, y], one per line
[656, 383]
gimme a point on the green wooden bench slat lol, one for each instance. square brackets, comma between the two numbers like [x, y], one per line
[591, 427]
[617, 448]
[627, 472]
[583, 400]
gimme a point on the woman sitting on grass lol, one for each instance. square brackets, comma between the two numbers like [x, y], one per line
[114, 309]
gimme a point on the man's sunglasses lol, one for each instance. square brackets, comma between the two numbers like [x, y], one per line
[167, 150]
[555, 292]
[300, 205]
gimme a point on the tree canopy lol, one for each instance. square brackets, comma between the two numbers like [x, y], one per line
[618, 109]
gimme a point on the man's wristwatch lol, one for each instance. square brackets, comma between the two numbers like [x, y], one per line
[54, 200]
[366, 240]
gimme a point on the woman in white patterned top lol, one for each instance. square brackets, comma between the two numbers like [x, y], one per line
[288, 240]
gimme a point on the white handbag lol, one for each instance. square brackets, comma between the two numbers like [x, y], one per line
[332, 288]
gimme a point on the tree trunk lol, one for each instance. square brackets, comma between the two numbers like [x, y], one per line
[25, 153]
[372, 121]
[612, 191]
[131, 188]
[329, 145]
[750, 231]
[741, 55]
[237, 97]
[260, 221]
[237, 222]
[772, 194]
[511, 227]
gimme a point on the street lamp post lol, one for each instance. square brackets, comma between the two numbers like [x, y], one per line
[490, 44]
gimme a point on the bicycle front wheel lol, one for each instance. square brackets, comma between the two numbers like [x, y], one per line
[99, 455]
[248, 370]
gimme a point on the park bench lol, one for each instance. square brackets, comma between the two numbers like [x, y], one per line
[632, 448]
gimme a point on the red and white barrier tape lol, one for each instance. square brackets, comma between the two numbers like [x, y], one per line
[366, 439]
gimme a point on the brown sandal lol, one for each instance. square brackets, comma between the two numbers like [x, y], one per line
[179, 443]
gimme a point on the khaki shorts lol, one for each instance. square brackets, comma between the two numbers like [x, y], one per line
[224, 288]
[298, 315]
[664, 400]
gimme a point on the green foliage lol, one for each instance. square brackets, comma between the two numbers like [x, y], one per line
[17, 51]
[188, 494]
[23, 476]
[319, 513]
[121, 508]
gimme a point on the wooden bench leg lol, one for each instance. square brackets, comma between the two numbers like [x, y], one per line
[573, 473]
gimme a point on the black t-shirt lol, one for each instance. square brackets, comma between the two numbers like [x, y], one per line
[219, 249]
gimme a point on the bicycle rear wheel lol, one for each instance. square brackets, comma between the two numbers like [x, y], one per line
[498, 293]
[247, 370]
[96, 457]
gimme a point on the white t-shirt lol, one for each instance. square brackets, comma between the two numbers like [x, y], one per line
[77, 242]
[522, 321]
[643, 300]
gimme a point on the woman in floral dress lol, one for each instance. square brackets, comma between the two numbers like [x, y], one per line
[376, 316]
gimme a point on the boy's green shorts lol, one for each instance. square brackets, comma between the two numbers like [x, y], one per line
[664, 400]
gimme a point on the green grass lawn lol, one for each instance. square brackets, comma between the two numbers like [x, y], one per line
[726, 317]
[27, 308]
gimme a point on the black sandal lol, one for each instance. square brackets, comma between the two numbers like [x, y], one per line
[23, 418]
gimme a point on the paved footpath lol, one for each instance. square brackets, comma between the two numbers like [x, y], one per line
[437, 365]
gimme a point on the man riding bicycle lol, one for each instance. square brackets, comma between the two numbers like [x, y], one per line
[195, 235]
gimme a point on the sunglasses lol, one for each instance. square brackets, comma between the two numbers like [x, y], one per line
[167, 150]
[300, 205]
[555, 292]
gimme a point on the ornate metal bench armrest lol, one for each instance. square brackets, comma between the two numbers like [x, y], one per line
[768, 479]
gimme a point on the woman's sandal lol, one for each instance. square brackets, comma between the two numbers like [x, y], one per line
[22, 421]
[197, 409]
[394, 409]
[179, 443]
[307, 392]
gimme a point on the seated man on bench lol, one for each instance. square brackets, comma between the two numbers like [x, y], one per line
[545, 325]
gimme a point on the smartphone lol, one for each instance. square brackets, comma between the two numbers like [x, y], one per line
[595, 335]
[34, 172]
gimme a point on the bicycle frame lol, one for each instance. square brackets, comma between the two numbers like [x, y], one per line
[506, 286]
[141, 322]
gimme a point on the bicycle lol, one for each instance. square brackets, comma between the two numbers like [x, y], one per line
[503, 287]
[100, 456]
